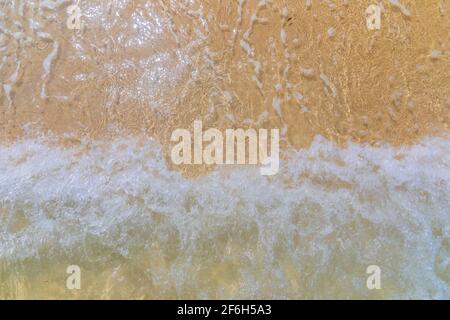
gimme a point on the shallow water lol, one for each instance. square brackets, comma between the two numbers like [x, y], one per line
[86, 118]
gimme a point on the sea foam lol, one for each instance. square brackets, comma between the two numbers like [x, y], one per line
[138, 229]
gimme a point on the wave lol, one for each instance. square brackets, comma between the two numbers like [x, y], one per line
[140, 230]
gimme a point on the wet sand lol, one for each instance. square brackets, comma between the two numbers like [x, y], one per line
[306, 69]
[85, 122]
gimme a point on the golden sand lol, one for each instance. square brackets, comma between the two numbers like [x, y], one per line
[328, 73]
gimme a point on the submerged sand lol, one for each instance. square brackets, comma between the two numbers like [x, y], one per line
[307, 68]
